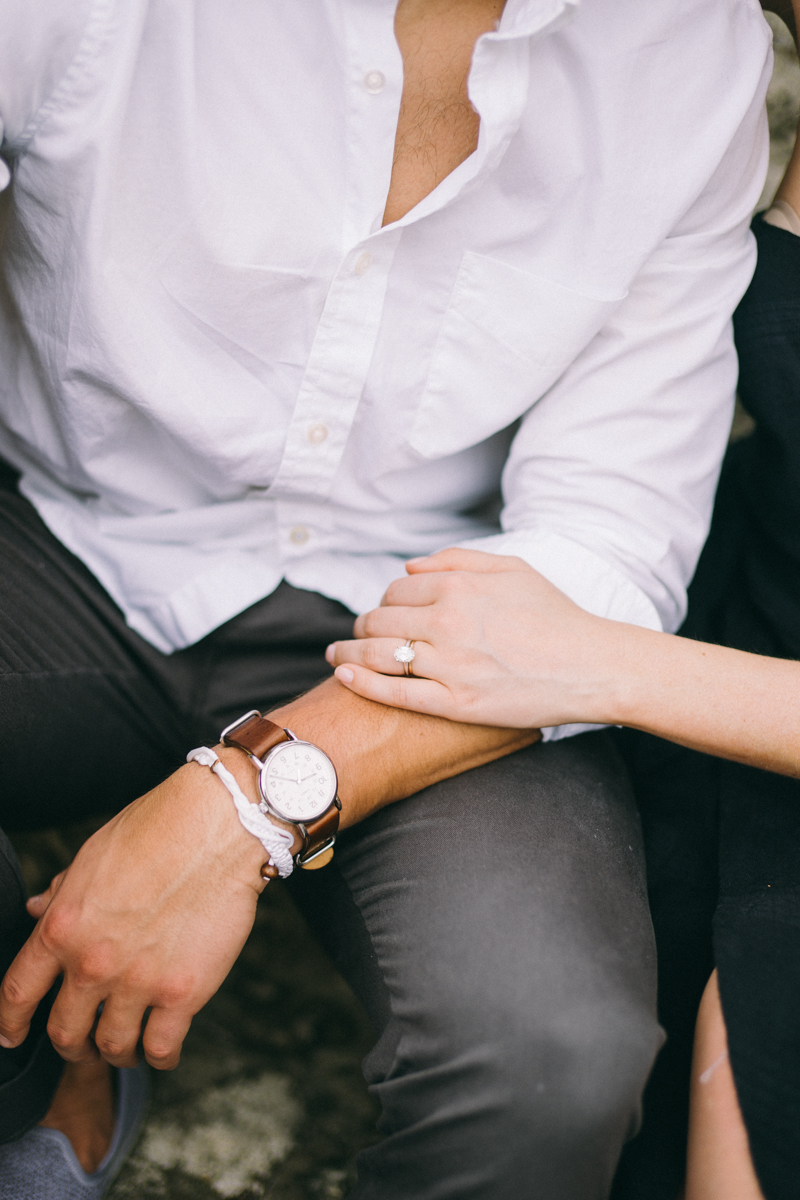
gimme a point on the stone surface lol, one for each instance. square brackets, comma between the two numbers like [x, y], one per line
[268, 1100]
[783, 105]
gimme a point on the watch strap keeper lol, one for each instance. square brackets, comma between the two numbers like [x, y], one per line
[255, 735]
[319, 838]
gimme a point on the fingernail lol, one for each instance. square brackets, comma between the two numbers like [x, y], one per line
[35, 899]
[330, 652]
[6, 1044]
[412, 562]
[345, 674]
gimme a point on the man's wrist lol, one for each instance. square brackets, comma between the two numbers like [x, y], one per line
[211, 812]
[246, 775]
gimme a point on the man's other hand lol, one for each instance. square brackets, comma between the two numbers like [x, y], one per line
[157, 906]
[152, 914]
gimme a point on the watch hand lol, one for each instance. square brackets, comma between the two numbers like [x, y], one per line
[288, 778]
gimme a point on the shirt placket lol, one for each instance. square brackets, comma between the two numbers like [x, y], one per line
[345, 337]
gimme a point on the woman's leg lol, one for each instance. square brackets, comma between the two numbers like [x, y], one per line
[719, 1164]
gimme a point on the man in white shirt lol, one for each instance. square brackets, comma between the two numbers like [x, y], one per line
[285, 293]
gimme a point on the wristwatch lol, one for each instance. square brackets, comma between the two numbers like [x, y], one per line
[296, 780]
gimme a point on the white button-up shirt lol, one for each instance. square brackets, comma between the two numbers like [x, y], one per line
[218, 370]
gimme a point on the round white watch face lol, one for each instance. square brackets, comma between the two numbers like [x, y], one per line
[298, 781]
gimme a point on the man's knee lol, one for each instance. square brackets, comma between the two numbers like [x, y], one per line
[578, 1076]
[568, 1071]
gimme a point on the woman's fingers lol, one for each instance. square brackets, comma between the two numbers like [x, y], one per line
[394, 622]
[455, 559]
[417, 695]
[416, 590]
[430, 580]
[378, 655]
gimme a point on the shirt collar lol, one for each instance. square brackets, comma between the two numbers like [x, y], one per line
[500, 108]
[522, 18]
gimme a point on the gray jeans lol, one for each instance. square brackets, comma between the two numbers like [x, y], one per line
[494, 926]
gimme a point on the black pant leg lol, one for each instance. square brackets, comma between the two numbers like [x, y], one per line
[677, 791]
[757, 951]
[86, 725]
[86, 722]
[29, 1074]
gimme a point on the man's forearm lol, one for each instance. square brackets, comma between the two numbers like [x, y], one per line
[383, 754]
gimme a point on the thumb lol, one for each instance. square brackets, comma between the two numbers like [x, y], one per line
[37, 905]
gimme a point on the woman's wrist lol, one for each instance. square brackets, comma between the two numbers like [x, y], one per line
[626, 674]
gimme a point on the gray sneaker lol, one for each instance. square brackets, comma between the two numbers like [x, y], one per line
[41, 1165]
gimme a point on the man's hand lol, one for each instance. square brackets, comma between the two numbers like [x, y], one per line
[152, 914]
[156, 907]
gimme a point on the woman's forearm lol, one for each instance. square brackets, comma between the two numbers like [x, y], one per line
[499, 645]
[724, 702]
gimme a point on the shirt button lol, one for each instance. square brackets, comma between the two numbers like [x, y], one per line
[363, 263]
[374, 82]
[317, 434]
[298, 534]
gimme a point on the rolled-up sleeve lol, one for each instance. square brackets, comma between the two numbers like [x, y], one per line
[610, 482]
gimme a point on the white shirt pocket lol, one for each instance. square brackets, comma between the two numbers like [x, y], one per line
[506, 338]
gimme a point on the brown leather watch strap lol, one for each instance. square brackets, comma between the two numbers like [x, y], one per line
[256, 736]
[319, 832]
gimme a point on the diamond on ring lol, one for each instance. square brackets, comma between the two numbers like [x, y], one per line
[405, 655]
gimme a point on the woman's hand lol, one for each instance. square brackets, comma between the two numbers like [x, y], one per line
[495, 644]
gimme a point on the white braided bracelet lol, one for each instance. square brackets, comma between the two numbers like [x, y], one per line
[276, 841]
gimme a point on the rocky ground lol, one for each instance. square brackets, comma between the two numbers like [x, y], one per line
[268, 1100]
[783, 104]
